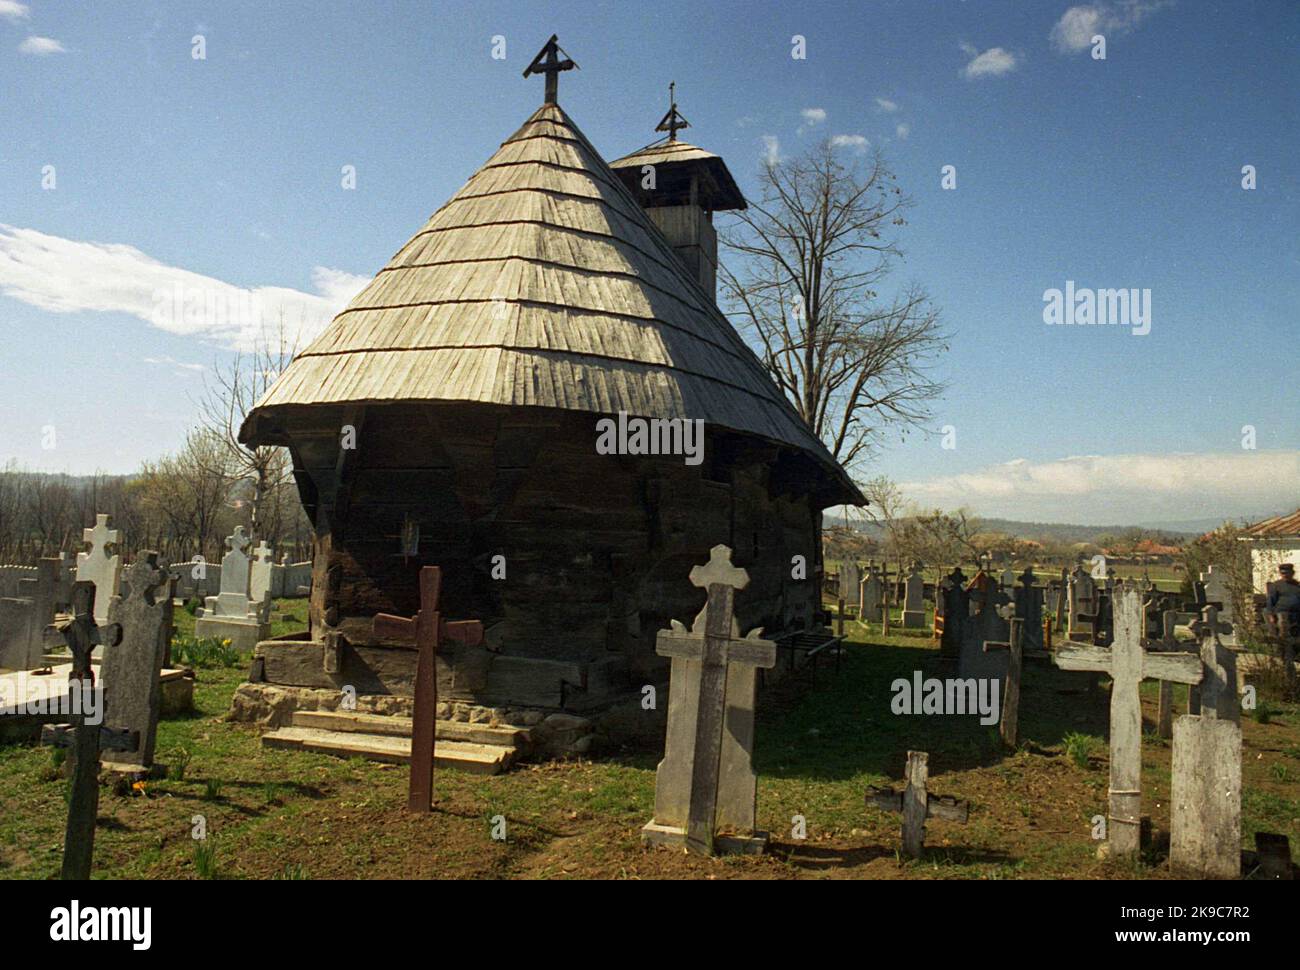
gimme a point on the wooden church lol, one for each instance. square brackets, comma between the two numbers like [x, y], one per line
[450, 416]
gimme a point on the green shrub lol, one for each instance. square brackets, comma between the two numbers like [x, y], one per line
[1081, 747]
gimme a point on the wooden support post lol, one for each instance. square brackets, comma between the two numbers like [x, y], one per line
[1014, 646]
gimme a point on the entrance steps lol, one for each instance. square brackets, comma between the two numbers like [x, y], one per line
[477, 748]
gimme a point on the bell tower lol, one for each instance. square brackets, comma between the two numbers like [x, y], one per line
[680, 187]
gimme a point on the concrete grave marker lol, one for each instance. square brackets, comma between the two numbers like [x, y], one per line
[131, 671]
[261, 573]
[1205, 798]
[914, 599]
[231, 614]
[705, 787]
[871, 596]
[1128, 665]
[955, 613]
[1217, 594]
[1216, 694]
[1081, 596]
[1014, 645]
[98, 567]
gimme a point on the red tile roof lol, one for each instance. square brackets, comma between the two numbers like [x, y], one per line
[1276, 527]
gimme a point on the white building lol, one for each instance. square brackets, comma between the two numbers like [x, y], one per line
[1272, 542]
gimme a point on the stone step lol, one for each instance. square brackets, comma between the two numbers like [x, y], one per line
[505, 736]
[479, 759]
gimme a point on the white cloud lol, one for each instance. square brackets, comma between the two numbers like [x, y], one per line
[884, 104]
[41, 46]
[68, 276]
[1122, 488]
[814, 116]
[903, 130]
[991, 63]
[13, 10]
[858, 142]
[771, 149]
[1078, 25]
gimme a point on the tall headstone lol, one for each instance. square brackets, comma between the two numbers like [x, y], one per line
[871, 596]
[1205, 798]
[1028, 598]
[1081, 601]
[98, 567]
[914, 599]
[261, 573]
[705, 785]
[231, 614]
[953, 594]
[131, 670]
[849, 578]
[986, 623]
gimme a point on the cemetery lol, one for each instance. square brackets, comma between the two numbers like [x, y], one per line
[524, 646]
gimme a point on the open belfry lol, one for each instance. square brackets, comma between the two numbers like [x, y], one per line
[449, 417]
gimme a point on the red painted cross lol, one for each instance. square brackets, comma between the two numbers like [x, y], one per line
[425, 632]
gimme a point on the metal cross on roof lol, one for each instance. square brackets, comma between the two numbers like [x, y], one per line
[672, 121]
[548, 62]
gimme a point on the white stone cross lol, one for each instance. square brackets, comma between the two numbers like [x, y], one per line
[1128, 664]
[98, 567]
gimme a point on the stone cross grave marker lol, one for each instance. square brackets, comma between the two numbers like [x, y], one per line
[954, 599]
[1028, 599]
[916, 803]
[1081, 593]
[261, 573]
[705, 787]
[426, 631]
[233, 599]
[131, 671]
[82, 635]
[98, 567]
[1216, 694]
[1014, 645]
[1128, 665]
[985, 623]
[914, 599]
[1217, 594]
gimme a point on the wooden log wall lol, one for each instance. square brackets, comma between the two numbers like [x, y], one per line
[598, 548]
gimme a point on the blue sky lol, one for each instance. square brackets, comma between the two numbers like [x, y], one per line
[1123, 172]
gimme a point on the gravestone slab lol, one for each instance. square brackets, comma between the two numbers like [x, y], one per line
[1205, 798]
[1081, 598]
[131, 670]
[849, 578]
[98, 567]
[914, 599]
[232, 614]
[986, 623]
[1028, 599]
[954, 596]
[871, 596]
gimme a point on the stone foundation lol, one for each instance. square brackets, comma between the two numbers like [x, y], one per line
[555, 735]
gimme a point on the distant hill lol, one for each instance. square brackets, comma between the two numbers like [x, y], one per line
[1063, 532]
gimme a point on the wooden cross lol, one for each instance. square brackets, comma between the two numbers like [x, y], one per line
[548, 62]
[916, 803]
[672, 121]
[714, 639]
[82, 635]
[1128, 664]
[425, 632]
[1014, 646]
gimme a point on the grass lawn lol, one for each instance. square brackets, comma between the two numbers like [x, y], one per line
[283, 814]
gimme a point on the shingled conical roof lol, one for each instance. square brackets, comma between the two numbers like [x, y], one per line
[542, 283]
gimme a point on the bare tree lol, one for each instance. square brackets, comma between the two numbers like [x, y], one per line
[236, 386]
[813, 252]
